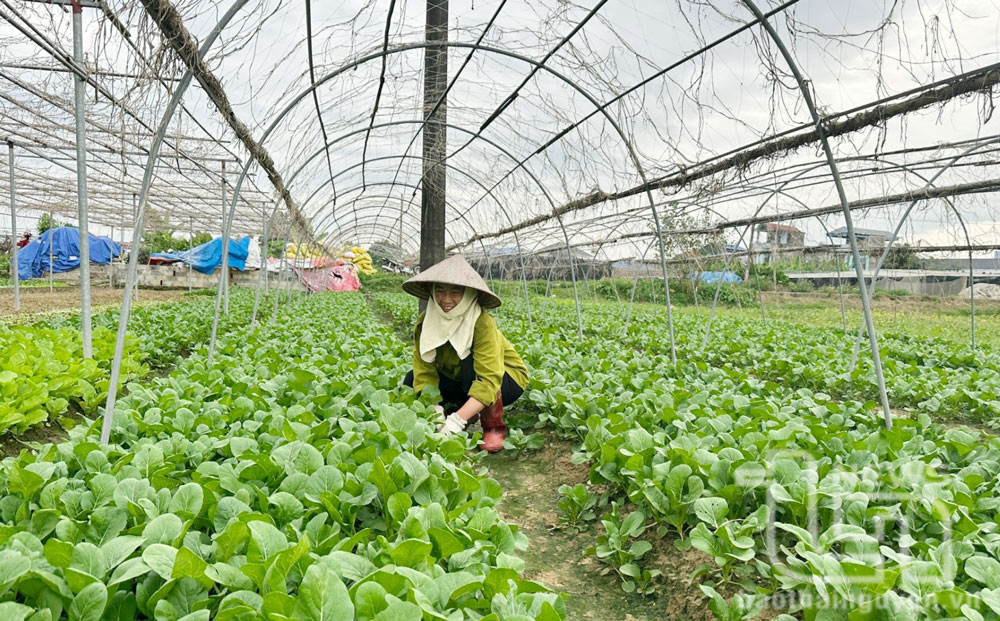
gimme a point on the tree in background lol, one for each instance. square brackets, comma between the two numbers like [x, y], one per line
[165, 241]
[201, 238]
[275, 248]
[46, 222]
[902, 257]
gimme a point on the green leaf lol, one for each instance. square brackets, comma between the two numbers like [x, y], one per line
[265, 542]
[351, 566]
[13, 565]
[119, 549]
[11, 611]
[711, 510]
[187, 564]
[160, 559]
[398, 610]
[324, 479]
[58, 553]
[228, 576]
[411, 552]
[398, 505]
[323, 597]
[89, 603]
[164, 529]
[369, 600]
[187, 500]
[985, 570]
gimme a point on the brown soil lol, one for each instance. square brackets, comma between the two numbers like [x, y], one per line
[555, 557]
[38, 300]
[12, 443]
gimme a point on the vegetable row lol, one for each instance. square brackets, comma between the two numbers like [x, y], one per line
[43, 372]
[803, 501]
[293, 478]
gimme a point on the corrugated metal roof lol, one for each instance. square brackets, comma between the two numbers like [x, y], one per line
[861, 233]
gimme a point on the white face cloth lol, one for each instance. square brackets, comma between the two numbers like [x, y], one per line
[455, 327]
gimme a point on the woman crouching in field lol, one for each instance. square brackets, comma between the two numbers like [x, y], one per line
[459, 349]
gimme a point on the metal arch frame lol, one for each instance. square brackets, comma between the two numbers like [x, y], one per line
[154, 149]
[344, 136]
[461, 215]
[780, 189]
[842, 195]
[460, 128]
[798, 173]
[320, 224]
[929, 182]
[742, 236]
[541, 66]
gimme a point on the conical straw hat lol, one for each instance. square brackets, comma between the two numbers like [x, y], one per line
[454, 270]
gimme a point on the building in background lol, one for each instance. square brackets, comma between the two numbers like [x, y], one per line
[772, 237]
[871, 242]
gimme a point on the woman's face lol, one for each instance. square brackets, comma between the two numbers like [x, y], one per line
[448, 296]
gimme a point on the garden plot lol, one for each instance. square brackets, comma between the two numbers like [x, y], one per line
[804, 502]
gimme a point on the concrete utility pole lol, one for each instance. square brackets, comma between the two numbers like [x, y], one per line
[435, 137]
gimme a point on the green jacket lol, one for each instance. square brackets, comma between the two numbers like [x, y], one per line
[492, 355]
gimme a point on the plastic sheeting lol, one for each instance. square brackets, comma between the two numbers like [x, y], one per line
[64, 244]
[713, 278]
[253, 255]
[208, 256]
[331, 278]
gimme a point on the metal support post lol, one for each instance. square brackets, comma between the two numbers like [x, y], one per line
[51, 232]
[13, 230]
[262, 276]
[842, 195]
[136, 244]
[81, 182]
[190, 254]
[111, 263]
[225, 248]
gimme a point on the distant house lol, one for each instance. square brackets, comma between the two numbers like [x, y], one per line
[871, 242]
[772, 236]
[780, 236]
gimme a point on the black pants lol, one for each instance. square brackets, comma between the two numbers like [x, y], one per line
[456, 392]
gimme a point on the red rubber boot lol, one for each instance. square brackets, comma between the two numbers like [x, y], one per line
[494, 430]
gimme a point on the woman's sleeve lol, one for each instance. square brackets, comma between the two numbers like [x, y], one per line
[424, 373]
[487, 357]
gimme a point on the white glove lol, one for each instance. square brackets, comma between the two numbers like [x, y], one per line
[452, 424]
[440, 411]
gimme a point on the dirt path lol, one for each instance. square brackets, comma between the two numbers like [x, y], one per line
[38, 300]
[556, 557]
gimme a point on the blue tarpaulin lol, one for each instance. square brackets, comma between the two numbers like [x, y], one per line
[64, 246]
[714, 277]
[208, 256]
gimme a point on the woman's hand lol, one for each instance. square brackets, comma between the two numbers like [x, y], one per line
[440, 411]
[452, 424]
[472, 407]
